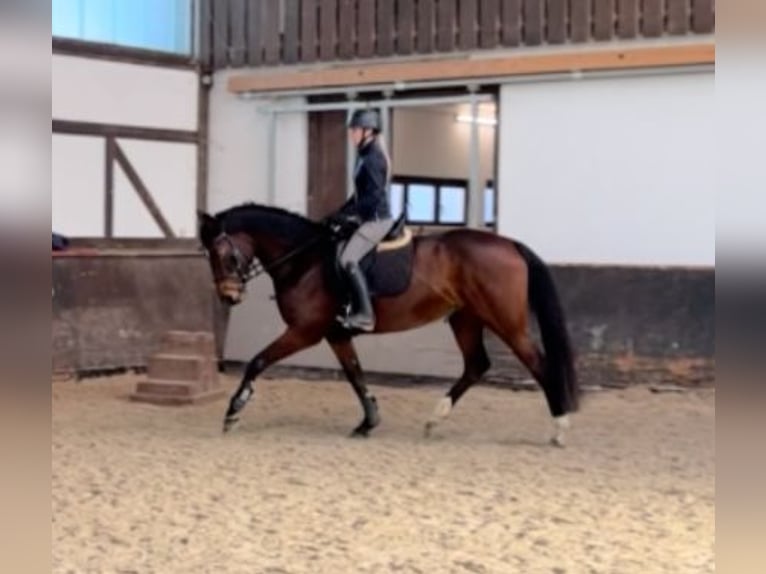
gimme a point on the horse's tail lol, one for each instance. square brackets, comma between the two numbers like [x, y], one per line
[560, 378]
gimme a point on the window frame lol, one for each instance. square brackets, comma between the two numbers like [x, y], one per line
[134, 54]
[119, 53]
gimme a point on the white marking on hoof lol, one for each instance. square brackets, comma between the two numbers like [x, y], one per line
[562, 424]
[441, 412]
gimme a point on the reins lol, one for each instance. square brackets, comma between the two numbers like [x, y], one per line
[254, 268]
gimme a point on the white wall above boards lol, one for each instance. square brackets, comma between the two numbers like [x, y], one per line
[243, 156]
[93, 90]
[614, 170]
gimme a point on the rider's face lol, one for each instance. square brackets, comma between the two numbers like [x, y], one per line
[356, 135]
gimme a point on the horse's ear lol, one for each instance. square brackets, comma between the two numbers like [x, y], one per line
[207, 226]
[204, 218]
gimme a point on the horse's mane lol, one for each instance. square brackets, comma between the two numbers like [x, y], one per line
[249, 217]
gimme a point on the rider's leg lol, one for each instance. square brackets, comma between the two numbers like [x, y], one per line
[361, 243]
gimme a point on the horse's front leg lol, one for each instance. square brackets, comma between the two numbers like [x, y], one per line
[289, 343]
[344, 350]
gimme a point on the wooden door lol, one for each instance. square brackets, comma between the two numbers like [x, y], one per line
[327, 162]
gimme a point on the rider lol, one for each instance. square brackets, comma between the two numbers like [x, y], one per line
[368, 207]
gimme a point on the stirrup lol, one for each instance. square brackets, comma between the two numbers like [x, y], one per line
[356, 322]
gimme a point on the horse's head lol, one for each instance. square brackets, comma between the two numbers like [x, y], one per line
[230, 257]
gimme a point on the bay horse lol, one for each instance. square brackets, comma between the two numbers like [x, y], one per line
[477, 279]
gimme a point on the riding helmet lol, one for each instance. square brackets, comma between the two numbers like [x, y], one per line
[365, 119]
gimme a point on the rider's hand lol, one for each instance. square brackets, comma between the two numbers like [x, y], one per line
[353, 219]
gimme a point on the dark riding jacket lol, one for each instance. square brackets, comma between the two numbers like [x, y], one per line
[370, 200]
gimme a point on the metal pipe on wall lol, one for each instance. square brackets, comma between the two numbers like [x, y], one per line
[271, 180]
[350, 106]
[350, 158]
[385, 116]
[475, 192]
[574, 75]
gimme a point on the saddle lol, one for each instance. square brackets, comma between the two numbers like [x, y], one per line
[388, 267]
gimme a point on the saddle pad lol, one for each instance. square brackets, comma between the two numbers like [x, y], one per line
[389, 271]
[391, 244]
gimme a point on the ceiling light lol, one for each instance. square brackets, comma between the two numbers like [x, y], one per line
[483, 121]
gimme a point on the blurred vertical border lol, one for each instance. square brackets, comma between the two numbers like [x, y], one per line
[25, 388]
[741, 286]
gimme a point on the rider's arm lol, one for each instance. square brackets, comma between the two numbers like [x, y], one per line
[371, 183]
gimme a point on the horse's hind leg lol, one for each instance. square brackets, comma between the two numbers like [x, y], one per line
[532, 358]
[469, 334]
[343, 347]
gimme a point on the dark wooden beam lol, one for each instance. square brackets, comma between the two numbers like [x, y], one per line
[115, 53]
[121, 131]
[203, 131]
[143, 192]
[109, 189]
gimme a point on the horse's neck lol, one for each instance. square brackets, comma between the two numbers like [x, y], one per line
[270, 248]
[286, 260]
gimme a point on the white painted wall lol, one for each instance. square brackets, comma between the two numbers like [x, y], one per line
[239, 158]
[169, 171]
[86, 89]
[428, 142]
[238, 172]
[77, 185]
[610, 171]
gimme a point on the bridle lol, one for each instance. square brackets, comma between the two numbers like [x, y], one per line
[247, 270]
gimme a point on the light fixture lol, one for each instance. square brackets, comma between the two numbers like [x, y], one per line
[482, 121]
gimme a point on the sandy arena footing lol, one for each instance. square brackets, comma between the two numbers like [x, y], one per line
[145, 489]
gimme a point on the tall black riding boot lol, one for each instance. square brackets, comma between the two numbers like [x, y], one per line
[364, 316]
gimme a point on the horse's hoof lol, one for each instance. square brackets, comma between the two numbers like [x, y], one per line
[558, 442]
[360, 432]
[229, 423]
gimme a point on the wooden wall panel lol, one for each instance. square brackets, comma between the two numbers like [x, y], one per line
[308, 30]
[385, 31]
[489, 23]
[534, 11]
[446, 25]
[292, 40]
[558, 18]
[366, 29]
[346, 29]
[426, 26]
[405, 26]
[468, 28]
[328, 29]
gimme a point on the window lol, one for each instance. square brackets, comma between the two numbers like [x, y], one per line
[421, 202]
[489, 204]
[396, 198]
[433, 201]
[162, 25]
[452, 204]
